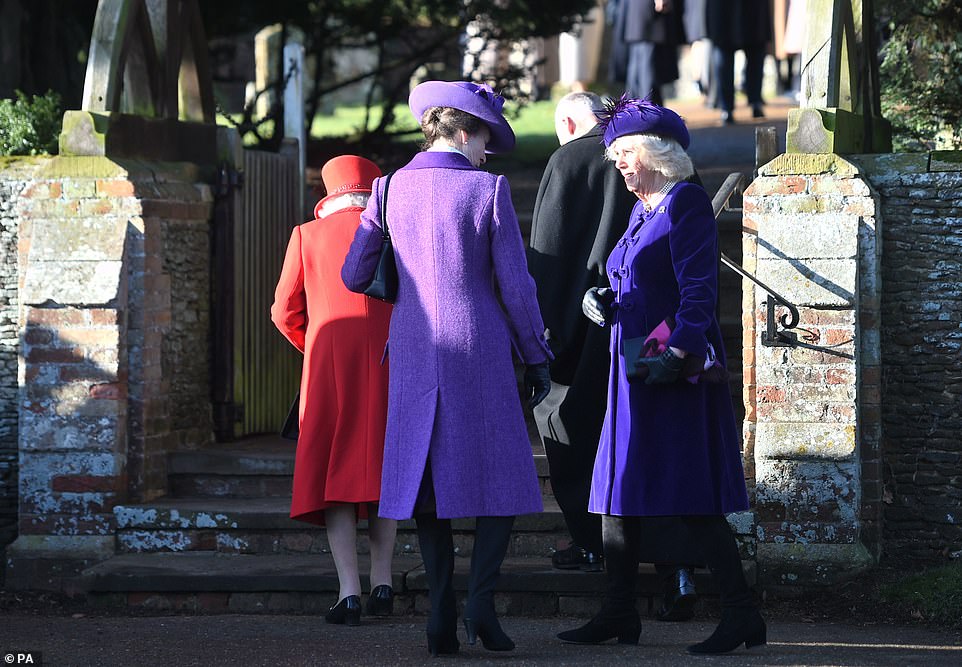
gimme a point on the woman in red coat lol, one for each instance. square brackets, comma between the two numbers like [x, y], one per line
[343, 408]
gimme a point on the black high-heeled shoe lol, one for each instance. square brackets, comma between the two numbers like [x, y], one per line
[601, 628]
[345, 612]
[445, 643]
[381, 601]
[737, 626]
[484, 625]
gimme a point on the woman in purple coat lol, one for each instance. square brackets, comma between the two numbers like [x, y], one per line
[669, 444]
[456, 443]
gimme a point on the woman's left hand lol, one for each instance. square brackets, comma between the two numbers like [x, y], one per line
[663, 369]
[537, 383]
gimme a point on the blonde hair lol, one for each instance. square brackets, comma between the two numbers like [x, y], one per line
[655, 153]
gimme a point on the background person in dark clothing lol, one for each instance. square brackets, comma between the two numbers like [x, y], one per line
[580, 213]
[734, 25]
[646, 35]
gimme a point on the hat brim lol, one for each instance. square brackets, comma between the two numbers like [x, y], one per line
[448, 94]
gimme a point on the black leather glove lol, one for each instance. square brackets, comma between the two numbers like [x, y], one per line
[537, 383]
[663, 369]
[597, 305]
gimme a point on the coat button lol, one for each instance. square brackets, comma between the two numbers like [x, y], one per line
[627, 304]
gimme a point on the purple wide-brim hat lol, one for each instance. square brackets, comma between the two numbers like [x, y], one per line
[473, 98]
[631, 116]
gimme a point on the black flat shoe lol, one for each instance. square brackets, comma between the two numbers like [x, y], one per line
[380, 602]
[601, 628]
[593, 562]
[443, 644]
[345, 612]
[571, 558]
[680, 597]
[737, 626]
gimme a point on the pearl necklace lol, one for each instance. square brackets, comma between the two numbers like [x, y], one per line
[665, 189]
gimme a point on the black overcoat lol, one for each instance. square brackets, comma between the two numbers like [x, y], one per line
[572, 233]
[735, 24]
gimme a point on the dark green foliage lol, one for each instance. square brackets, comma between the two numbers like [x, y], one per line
[30, 125]
[921, 73]
[409, 37]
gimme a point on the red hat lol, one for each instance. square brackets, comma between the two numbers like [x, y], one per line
[346, 173]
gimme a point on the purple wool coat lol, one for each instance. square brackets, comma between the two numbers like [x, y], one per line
[453, 395]
[668, 449]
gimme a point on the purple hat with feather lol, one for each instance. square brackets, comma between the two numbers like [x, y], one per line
[631, 116]
[476, 99]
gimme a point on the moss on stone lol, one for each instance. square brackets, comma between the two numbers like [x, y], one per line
[82, 167]
[903, 163]
[946, 161]
[788, 164]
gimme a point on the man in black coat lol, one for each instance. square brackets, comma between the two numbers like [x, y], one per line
[581, 211]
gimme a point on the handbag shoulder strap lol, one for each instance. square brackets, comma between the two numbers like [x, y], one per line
[384, 230]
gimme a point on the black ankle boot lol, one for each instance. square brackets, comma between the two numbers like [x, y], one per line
[483, 623]
[345, 612]
[738, 625]
[604, 626]
[381, 601]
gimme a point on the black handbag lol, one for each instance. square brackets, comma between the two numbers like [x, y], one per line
[383, 284]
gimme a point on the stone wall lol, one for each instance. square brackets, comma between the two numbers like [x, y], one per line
[10, 190]
[856, 432]
[812, 408]
[921, 198]
[114, 283]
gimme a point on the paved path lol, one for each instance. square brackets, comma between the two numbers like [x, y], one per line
[307, 640]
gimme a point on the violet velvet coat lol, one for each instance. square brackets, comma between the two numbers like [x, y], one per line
[668, 449]
[453, 395]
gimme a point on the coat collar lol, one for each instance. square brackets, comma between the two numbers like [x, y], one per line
[595, 133]
[439, 159]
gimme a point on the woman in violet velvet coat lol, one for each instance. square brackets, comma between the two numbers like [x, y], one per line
[669, 444]
[456, 443]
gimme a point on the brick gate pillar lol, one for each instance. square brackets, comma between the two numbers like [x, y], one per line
[812, 233]
[114, 325]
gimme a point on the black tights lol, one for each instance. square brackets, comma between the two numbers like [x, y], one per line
[622, 539]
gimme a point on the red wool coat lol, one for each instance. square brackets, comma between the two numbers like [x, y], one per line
[343, 406]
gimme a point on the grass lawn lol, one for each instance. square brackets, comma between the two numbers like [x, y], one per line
[533, 126]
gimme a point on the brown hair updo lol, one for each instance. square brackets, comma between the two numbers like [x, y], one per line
[445, 122]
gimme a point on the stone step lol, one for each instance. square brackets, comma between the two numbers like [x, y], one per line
[308, 583]
[258, 468]
[262, 526]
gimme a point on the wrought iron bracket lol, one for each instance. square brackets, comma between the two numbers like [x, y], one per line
[772, 336]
